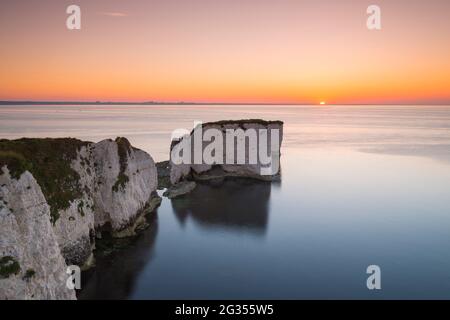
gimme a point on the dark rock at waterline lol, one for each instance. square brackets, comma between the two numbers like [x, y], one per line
[180, 189]
[163, 169]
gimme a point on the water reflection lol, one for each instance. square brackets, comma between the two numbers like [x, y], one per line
[118, 264]
[440, 152]
[237, 204]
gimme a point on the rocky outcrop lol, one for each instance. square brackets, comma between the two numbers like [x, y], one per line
[56, 197]
[163, 169]
[256, 140]
[31, 266]
[179, 189]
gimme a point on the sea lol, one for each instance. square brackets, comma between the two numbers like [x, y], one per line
[361, 186]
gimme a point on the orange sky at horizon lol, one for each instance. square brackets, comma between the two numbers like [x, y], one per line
[284, 51]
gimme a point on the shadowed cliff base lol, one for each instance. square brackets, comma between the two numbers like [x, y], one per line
[118, 264]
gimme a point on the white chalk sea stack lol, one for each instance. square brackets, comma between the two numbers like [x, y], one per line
[262, 132]
[56, 197]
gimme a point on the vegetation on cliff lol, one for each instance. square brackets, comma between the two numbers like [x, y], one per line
[163, 169]
[123, 149]
[49, 161]
[8, 267]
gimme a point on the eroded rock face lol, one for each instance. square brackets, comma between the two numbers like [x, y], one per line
[105, 187]
[28, 241]
[118, 183]
[266, 141]
[118, 201]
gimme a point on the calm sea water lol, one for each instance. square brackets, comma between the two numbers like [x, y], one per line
[361, 185]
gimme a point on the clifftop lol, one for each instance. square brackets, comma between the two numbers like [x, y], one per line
[49, 161]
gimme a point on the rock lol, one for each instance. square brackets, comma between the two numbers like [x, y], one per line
[217, 173]
[57, 196]
[163, 169]
[126, 184]
[139, 222]
[221, 167]
[179, 189]
[28, 242]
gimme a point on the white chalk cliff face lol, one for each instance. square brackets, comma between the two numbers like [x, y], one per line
[225, 168]
[112, 185]
[119, 209]
[28, 243]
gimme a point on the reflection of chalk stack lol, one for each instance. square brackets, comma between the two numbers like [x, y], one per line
[230, 209]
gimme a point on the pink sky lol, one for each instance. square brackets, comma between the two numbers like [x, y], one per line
[287, 51]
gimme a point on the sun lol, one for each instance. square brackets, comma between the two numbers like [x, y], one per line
[323, 102]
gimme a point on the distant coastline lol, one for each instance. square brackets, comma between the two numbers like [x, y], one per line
[147, 103]
[137, 103]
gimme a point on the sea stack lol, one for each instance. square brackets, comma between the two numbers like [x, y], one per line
[246, 145]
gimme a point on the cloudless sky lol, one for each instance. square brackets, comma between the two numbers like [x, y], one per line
[288, 51]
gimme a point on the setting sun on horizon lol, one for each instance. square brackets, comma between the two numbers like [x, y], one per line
[229, 51]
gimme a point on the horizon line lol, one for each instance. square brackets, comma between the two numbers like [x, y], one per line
[43, 102]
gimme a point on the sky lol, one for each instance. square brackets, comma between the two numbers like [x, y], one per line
[261, 51]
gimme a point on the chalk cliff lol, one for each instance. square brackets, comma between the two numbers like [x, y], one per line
[31, 263]
[56, 197]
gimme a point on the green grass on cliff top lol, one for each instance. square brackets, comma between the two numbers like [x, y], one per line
[49, 161]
